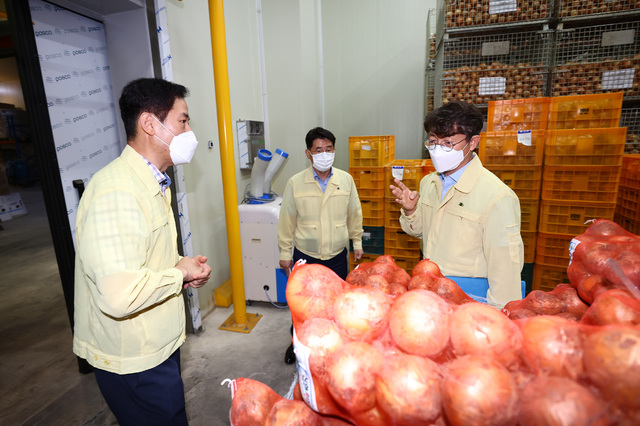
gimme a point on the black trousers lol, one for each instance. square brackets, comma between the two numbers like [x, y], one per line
[338, 264]
[151, 397]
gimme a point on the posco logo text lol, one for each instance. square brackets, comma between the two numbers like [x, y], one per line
[63, 77]
[44, 33]
[80, 117]
[63, 146]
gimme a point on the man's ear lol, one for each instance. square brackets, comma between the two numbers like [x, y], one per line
[474, 142]
[308, 154]
[147, 123]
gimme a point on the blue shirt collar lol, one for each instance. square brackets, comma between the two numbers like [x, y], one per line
[163, 179]
[323, 182]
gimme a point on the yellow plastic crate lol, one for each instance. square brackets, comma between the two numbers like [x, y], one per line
[391, 214]
[630, 173]
[585, 111]
[369, 181]
[372, 211]
[407, 262]
[523, 147]
[529, 242]
[553, 249]
[585, 147]
[400, 240]
[529, 215]
[410, 172]
[557, 217]
[581, 183]
[366, 258]
[518, 114]
[524, 180]
[546, 277]
[371, 151]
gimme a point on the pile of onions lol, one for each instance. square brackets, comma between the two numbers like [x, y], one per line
[382, 274]
[562, 301]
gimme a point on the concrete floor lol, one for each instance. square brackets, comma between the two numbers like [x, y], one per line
[39, 379]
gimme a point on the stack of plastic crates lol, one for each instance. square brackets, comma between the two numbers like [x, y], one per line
[580, 178]
[512, 149]
[405, 249]
[627, 212]
[367, 157]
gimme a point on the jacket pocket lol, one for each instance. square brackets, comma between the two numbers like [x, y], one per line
[307, 237]
[339, 236]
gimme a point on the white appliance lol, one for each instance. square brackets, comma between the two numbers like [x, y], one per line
[263, 278]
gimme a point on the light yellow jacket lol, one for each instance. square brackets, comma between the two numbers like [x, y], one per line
[319, 224]
[473, 232]
[129, 311]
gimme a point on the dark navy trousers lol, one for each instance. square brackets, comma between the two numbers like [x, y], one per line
[338, 264]
[151, 397]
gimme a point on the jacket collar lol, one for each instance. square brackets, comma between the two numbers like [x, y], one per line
[141, 169]
[470, 176]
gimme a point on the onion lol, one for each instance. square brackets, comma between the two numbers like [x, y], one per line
[312, 290]
[603, 227]
[400, 276]
[384, 269]
[478, 391]
[597, 254]
[552, 346]
[426, 266]
[396, 289]
[357, 277]
[419, 323]
[558, 401]
[570, 301]
[521, 313]
[362, 313]
[612, 363]
[424, 281]
[252, 402]
[543, 303]
[386, 259]
[451, 292]
[352, 376]
[628, 263]
[408, 389]
[291, 412]
[323, 338]
[480, 329]
[613, 307]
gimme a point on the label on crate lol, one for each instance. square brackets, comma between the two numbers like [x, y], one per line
[492, 86]
[524, 137]
[615, 38]
[618, 79]
[496, 48]
[397, 172]
[366, 236]
[365, 147]
[304, 372]
[502, 6]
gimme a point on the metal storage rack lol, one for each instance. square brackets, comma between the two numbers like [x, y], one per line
[597, 59]
[630, 118]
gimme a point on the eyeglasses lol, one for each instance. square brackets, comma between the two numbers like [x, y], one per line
[447, 145]
[319, 150]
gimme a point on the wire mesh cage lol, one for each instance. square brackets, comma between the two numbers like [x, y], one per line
[597, 59]
[630, 118]
[576, 8]
[485, 68]
[431, 38]
[471, 13]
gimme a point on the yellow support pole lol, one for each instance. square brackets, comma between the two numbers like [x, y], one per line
[239, 321]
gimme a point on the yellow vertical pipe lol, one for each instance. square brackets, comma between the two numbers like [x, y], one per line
[223, 105]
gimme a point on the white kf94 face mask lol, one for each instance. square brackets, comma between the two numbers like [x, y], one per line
[182, 146]
[323, 161]
[444, 161]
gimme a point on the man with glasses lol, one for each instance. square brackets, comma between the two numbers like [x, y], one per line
[320, 212]
[468, 219]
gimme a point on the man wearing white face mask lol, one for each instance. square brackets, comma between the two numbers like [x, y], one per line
[320, 213]
[468, 219]
[129, 309]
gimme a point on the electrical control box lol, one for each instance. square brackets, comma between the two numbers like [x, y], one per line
[250, 141]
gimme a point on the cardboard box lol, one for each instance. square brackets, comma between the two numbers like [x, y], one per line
[11, 206]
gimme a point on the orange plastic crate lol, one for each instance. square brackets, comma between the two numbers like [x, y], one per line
[581, 183]
[529, 215]
[392, 214]
[407, 262]
[427, 167]
[524, 180]
[529, 241]
[399, 244]
[585, 147]
[557, 217]
[518, 114]
[628, 204]
[585, 111]
[553, 249]
[410, 172]
[631, 225]
[523, 147]
[372, 211]
[366, 258]
[371, 151]
[547, 277]
[369, 181]
[630, 174]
